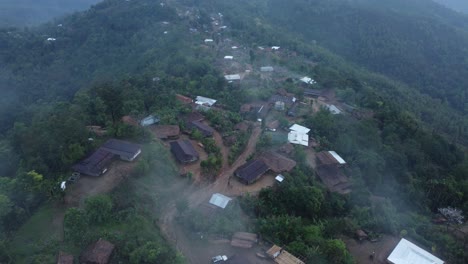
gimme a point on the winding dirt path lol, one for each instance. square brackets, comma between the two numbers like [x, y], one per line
[197, 195]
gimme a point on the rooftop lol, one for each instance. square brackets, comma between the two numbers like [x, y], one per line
[251, 171]
[408, 253]
[298, 138]
[184, 99]
[205, 101]
[232, 77]
[166, 131]
[299, 128]
[330, 158]
[184, 151]
[219, 200]
[278, 163]
[98, 252]
[124, 149]
[96, 164]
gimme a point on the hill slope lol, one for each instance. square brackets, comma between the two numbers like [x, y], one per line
[31, 12]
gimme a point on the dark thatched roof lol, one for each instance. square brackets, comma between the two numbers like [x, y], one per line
[184, 151]
[97, 253]
[251, 171]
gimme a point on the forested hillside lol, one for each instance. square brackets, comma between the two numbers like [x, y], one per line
[31, 12]
[414, 41]
[458, 5]
[402, 65]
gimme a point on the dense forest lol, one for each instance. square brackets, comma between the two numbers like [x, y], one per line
[458, 5]
[407, 66]
[20, 13]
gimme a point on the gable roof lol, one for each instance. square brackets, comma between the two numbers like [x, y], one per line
[312, 92]
[298, 138]
[219, 200]
[333, 109]
[252, 170]
[287, 100]
[408, 253]
[200, 100]
[122, 148]
[300, 129]
[64, 258]
[184, 99]
[330, 158]
[184, 151]
[206, 130]
[278, 163]
[96, 164]
[166, 131]
[232, 77]
[98, 252]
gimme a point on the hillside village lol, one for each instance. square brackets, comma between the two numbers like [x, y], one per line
[250, 163]
[235, 157]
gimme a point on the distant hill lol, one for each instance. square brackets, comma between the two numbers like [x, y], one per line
[30, 12]
[458, 5]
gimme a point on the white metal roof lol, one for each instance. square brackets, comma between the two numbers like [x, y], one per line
[299, 128]
[208, 40]
[232, 77]
[266, 69]
[220, 200]
[279, 178]
[295, 137]
[308, 80]
[333, 109]
[408, 253]
[228, 57]
[205, 101]
[275, 48]
[337, 157]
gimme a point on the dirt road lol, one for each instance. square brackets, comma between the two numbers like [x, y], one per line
[197, 195]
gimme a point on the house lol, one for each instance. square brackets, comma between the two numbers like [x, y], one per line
[334, 179]
[184, 99]
[184, 151]
[251, 171]
[312, 93]
[361, 235]
[299, 135]
[128, 120]
[96, 164]
[294, 110]
[330, 158]
[279, 106]
[125, 150]
[244, 240]
[287, 100]
[278, 163]
[149, 120]
[219, 200]
[279, 178]
[281, 256]
[166, 131]
[193, 116]
[98, 130]
[228, 57]
[232, 77]
[307, 80]
[333, 109]
[408, 253]
[275, 48]
[200, 100]
[64, 258]
[206, 130]
[266, 69]
[208, 41]
[97, 253]
[273, 125]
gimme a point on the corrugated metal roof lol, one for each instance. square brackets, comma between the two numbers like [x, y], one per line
[300, 129]
[339, 159]
[219, 200]
[205, 100]
[295, 137]
[408, 253]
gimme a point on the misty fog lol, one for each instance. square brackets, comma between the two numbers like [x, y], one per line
[30, 12]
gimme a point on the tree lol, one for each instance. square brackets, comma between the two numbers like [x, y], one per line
[98, 208]
[75, 226]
